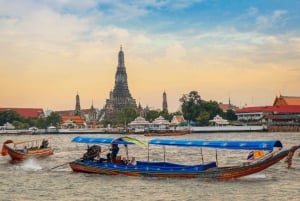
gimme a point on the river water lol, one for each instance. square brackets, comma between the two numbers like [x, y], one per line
[42, 179]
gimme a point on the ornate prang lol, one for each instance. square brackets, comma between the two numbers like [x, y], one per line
[120, 97]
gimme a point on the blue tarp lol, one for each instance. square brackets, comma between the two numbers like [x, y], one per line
[219, 144]
[105, 140]
[227, 144]
[98, 140]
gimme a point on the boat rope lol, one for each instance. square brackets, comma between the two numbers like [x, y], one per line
[59, 165]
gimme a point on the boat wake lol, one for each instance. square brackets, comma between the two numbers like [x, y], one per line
[255, 176]
[62, 170]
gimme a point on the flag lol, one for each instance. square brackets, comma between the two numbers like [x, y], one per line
[250, 155]
[255, 154]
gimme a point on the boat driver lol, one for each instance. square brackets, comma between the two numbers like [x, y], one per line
[111, 157]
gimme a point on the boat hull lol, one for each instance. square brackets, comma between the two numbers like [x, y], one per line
[210, 171]
[21, 154]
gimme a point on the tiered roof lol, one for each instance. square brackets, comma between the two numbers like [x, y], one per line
[78, 120]
[139, 121]
[286, 100]
[274, 109]
[26, 112]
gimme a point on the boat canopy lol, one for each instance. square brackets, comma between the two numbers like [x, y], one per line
[246, 145]
[25, 141]
[107, 140]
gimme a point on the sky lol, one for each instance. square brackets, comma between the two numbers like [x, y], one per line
[245, 51]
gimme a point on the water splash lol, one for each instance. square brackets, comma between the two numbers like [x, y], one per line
[30, 165]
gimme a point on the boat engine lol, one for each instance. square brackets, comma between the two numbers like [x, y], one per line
[92, 152]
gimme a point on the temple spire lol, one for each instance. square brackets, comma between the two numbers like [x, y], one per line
[165, 103]
[77, 111]
[120, 96]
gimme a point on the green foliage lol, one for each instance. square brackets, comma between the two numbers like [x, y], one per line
[41, 123]
[151, 115]
[197, 110]
[191, 105]
[212, 107]
[10, 116]
[23, 123]
[105, 122]
[20, 125]
[53, 119]
[126, 116]
[230, 115]
[203, 118]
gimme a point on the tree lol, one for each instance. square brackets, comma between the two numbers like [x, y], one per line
[212, 107]
[203, 118]
[53, 119]
[41, 123]
[126, 116]
[151, 115]
[197, 110]
[20, 125]
[106, 122]
[191, 105]
[10, 116]
[230, 115]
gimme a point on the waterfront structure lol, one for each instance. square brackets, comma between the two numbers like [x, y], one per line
[165, 103]
[178, 120]
[120, 97]
[219, 121]
[72, 121]
[283, 115]
[26, 112]
[139, 124]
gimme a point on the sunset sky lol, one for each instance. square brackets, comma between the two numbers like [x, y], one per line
[52, 49]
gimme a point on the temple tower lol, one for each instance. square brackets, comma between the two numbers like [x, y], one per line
[165, 103]
[77, 111]
[120, 97]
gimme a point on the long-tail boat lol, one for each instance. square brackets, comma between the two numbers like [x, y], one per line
[33, 148]
[209, 170]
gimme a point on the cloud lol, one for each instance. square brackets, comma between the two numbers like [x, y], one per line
[267, 22]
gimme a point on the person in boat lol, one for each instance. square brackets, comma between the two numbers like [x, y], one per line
[25, 149]
[44, 144]
[111, 157]
[92, 152]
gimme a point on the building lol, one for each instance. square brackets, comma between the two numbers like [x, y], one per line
[92, 117]
[120, 97]
[26, 112]
[283, 115]
[225, 107]
[72, 122]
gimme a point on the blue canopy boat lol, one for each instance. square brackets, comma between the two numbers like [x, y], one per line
[91, 164]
